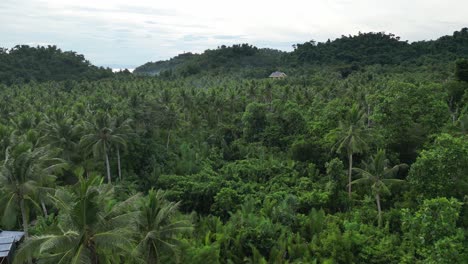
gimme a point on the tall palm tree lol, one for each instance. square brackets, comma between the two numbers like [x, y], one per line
[350, 134]
[101, 136]
[168, 118]
[158, 227]
[91, 228]
[378, 175]
[22, 176]
[123, 130]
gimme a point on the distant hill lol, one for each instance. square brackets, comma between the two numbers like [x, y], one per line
[380, 48]
[154, 68]
[346, 53]
[224, 59]
[23, 64]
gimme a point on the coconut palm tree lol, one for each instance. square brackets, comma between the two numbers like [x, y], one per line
[350, 135]
[23, 174]
[168, 119]
[91, 228]
[158, 227]
[61, 132]
[101, 136]
[123, 130]
[378, 175]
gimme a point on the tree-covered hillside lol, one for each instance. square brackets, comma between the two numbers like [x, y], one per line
[347, 54]
[23, 64]
[381, 48]
[248, 60]
[325, 166]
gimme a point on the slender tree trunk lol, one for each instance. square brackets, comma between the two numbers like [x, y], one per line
[167, 142]
[452, 110]
[25, 223]
[25, 218]
[368, 114]
[118, 164]
[109, 180]
[350, 171]
[44, 208]
[94, 257]
[377, 199]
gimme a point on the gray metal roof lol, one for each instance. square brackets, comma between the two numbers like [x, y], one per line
[277, 74]
[7, 239]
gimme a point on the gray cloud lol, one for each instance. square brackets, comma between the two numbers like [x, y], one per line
[130, 34]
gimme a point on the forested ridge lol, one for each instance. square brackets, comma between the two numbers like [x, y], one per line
[22, 64]
[360, 155]
[347, 53]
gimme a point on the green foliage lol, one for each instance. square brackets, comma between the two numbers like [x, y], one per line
[23, 64]
[217, 164]
[379, 176]
[223, 60]
[431, 233]
[158, 228]
[441, 169]
[345, 55]
[196, 191]
[461, 70]
[380, 48]
[90, 228]
[254, 121]
[25, 176]
[408, 114]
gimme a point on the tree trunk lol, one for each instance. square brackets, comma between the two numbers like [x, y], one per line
[25, 218]
[109, 180]
[377, 199]
[44, 208]
[167, 142]
[453, 110]
[118, 164]
[25, 223]
[368, 114]
[350, 171]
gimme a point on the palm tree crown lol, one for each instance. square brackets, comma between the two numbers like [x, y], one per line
[90, 229]
[379, 175]
[350, 138]
[158, 227]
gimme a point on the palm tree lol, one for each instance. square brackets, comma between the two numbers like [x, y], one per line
[101, 136]
[168, 119]
[158, 227]
[5, 133]
[61, 132]
[350, 138]
[22, 176]
[122, 130]
[91, 228]
[377, 173]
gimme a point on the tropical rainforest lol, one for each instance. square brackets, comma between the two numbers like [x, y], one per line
[359, 155]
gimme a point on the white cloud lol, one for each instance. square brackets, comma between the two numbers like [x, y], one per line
[133, 32]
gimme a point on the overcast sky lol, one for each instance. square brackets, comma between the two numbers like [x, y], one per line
[128, 33]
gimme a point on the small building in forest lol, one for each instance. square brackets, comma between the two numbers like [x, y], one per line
[278, 74]
[9, 241]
